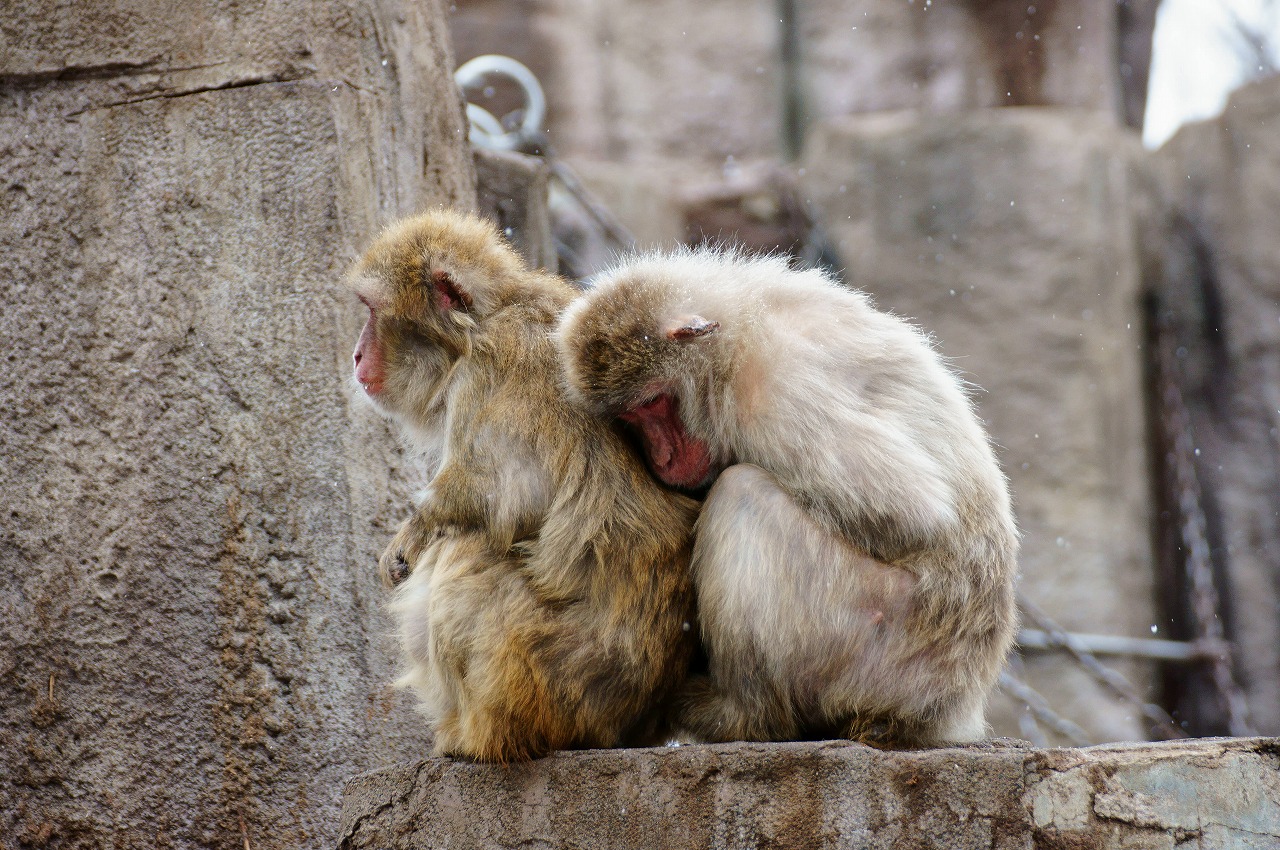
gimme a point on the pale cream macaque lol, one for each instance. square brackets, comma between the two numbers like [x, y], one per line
[855, 555]
[544, 599]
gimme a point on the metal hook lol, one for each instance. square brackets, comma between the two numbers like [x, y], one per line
[487, 130]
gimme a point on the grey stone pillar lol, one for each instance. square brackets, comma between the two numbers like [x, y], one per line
[191, 644]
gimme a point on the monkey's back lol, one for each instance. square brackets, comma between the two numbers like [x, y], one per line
[800, 361]
[856, 417]
[577, 622]
[911, 480]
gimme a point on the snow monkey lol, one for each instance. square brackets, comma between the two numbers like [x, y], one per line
[544, 597]
[855, 554]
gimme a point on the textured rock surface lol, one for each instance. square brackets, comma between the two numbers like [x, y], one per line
[193, 498]
[1222, 793]
[1224, 290]
[1014, 236]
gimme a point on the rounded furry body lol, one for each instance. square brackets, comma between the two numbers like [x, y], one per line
[855, 556]
[547, 603]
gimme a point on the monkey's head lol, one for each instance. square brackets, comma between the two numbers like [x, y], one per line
[428, 282]
[632, 349]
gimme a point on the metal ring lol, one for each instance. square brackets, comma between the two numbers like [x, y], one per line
[487, 129]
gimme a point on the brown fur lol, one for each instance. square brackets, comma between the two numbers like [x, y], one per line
[544, 600]
[855, 555]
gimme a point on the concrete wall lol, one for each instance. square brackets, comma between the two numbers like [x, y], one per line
[193, 498]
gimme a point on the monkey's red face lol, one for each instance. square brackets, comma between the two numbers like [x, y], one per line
[677, 458]
[370, 365]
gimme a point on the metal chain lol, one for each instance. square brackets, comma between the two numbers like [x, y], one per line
[1160, 720]
[1028, 726]
[1193, 527]
[1205, 601]
[1206, 604]
[1041, 710]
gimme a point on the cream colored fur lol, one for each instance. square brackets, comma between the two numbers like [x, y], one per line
[854, 561]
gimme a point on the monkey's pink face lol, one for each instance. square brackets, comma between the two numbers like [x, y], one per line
[370, 366]
[676, 457]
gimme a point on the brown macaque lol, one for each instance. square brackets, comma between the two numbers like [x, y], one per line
[855, 555]
[544, 598]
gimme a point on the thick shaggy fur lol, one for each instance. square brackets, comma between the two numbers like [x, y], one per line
[854, 561]
[548, 602]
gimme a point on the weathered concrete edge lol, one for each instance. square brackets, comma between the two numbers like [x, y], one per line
[1049, 795]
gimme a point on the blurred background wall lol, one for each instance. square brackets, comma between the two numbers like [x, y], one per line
[978, 165]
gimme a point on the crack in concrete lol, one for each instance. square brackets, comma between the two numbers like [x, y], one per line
[263, 80]
[1230, 828]
[398, 799]
[102, 71]
[105, 70]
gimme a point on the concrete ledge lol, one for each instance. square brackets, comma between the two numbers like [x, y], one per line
[1211, 793]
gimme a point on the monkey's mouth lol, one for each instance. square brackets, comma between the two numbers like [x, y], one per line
[369, 377]
[678, 459]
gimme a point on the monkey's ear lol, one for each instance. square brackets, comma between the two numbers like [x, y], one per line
[690, 327]
[452, 296]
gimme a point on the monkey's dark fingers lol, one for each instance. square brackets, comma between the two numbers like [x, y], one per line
[400, 569]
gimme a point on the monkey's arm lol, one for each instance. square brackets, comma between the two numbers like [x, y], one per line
[493, 484]
[787, 659]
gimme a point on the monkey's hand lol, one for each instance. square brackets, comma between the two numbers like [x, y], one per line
[402, 553]
[393, 566]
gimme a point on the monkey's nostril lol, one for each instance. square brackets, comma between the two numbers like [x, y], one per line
[357, 357]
